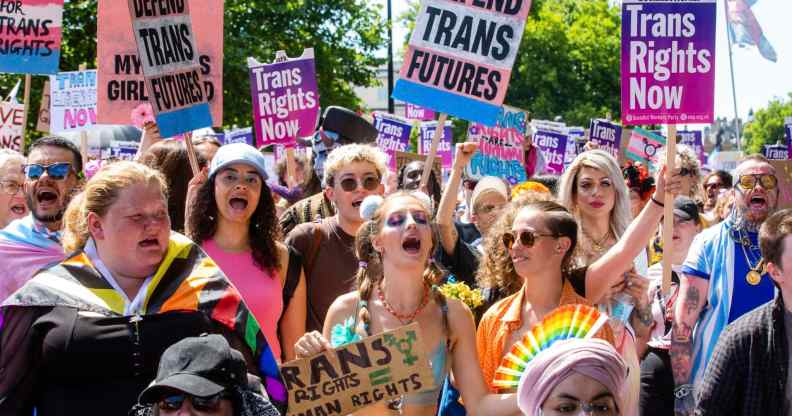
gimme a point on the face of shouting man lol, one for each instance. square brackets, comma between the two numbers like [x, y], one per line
[50, 182]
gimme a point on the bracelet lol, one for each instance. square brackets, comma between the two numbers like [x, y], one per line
[683, 391]
[662, 205]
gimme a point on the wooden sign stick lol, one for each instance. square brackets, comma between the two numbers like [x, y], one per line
[438, 136]
[668, 210]
[26, 97]
[291, 168]
[191, 154]
[84, 147]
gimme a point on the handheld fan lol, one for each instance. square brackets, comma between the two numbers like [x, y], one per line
[565, 322]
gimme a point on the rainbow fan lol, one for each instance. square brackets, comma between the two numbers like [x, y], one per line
[565, 322]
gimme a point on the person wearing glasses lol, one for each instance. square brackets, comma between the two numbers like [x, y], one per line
[52, 175]
[723, 271]
[232, 217]
[214, 385]
[83, 335]
[12, 196]
[714, 184]
[351, 173]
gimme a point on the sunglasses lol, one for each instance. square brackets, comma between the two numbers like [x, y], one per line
[748, 182]
[369, 183]
[56, 171]
[527, 238]
[713, 185]
[202, 404]
[399, 218]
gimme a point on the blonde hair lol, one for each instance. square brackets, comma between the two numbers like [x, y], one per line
[99, 194]
[11, 156]
[621, 215]
[686, 158]
[350, 153]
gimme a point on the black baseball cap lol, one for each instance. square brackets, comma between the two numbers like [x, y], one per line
[350, 127]
[200, 366]
[686, 209]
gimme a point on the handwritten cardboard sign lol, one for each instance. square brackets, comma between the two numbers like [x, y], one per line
[349, 378]
[285, 99]
[11, 128]
[500, 151]
[30, 36]
[445, 149]
[393, 135]
[551, 138]
[72, 101]
[405, 158]
[169, 58]
[668, 61]
[121, 84]
[460, 57]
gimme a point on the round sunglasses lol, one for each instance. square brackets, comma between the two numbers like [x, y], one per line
[527, 238]
[369, 183]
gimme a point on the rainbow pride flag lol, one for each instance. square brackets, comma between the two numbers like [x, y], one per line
[30, 36]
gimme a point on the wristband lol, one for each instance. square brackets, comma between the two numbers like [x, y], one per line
[662, 205]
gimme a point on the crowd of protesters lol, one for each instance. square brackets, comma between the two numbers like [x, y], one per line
[141, 288]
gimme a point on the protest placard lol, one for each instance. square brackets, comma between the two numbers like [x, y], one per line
[668, 61]
[393, 135]
[120, 77]
[72, 101]
[694, 139]
[285, 99]
[43, 121]
[169, 59]
[788, 133]
[405, 158]
[444, 148]
[460, 57]
[30, 36]
[607, 135]
[500, 151]
[776, 152]
[576, 144]
[244, 135]
[644, 145]
[11, 125]
[357, 375]
[416, 112]
[124, 150]
[551, 138]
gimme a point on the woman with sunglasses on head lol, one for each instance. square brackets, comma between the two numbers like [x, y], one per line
[396, 287]
[83, 336]
[232, 217]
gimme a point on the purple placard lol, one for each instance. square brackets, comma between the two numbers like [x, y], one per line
[239, 136]
[776, 152]
[285, 100]
[553, 146]
[393, 136]
[695, 140]
[607, 135]
[668, 70]
[416, 112]
[788, 131]
[444, 149]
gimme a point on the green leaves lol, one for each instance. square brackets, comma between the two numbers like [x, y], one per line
[767, 126]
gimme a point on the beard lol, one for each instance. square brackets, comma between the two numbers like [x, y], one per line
[47, 219]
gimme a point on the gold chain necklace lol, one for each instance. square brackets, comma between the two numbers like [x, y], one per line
[598, 246]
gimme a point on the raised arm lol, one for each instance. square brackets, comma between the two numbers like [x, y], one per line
[445, 211]
[692, 298]
[150, 137]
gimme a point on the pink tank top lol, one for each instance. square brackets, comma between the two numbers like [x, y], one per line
[261, 290]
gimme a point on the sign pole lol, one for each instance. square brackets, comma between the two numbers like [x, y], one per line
[84, 147]
[668, 210]
[191, 154]
[291, 168]
[26, 97]
[438, 136]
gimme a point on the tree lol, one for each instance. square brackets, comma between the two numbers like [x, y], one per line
[345, 35]
[767, 126]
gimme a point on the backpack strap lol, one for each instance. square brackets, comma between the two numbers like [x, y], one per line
[313, 251]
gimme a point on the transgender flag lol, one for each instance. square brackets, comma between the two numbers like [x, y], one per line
[744, 29]
[30, 36]
[644, 145]
[30, 250]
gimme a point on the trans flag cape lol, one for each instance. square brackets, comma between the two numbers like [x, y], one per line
[186, 280]
[25, 248]
[744, 29]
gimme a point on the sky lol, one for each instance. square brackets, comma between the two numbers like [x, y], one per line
[757, 80]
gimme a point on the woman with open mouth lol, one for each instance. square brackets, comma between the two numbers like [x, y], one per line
[12, 196]
[232, 216]
[395, 288]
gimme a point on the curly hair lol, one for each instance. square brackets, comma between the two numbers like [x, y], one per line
[263, 230]
[637, 178]
[496, 269]
[686, 158]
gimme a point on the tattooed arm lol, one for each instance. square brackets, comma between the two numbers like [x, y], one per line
[692, 298]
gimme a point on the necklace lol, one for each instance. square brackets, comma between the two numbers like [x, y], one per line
[756, 268]
[403, 318]
[598, 246]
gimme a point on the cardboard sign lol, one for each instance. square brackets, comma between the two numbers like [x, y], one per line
[415, 112]
[694, 139]
[776, 152]
[349, 378]
[72, 101]
[285, 99]
[668, 61]
[551, 138]
[121, 84]
[169, 59]
[445, 148]
[11, 128]
[607, 135]
[460, 57]
[405, 158]
[393, 135]
[644, 145]
[30, 36]
[43, 123]
[239, 136]
[500, 151]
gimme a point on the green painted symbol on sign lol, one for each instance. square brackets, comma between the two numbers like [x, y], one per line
[404, 346]
[381, 376]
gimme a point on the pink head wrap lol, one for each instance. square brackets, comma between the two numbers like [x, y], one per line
[590, 357]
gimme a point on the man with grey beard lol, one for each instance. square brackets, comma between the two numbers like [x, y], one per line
[723, 278]
[52, 175]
